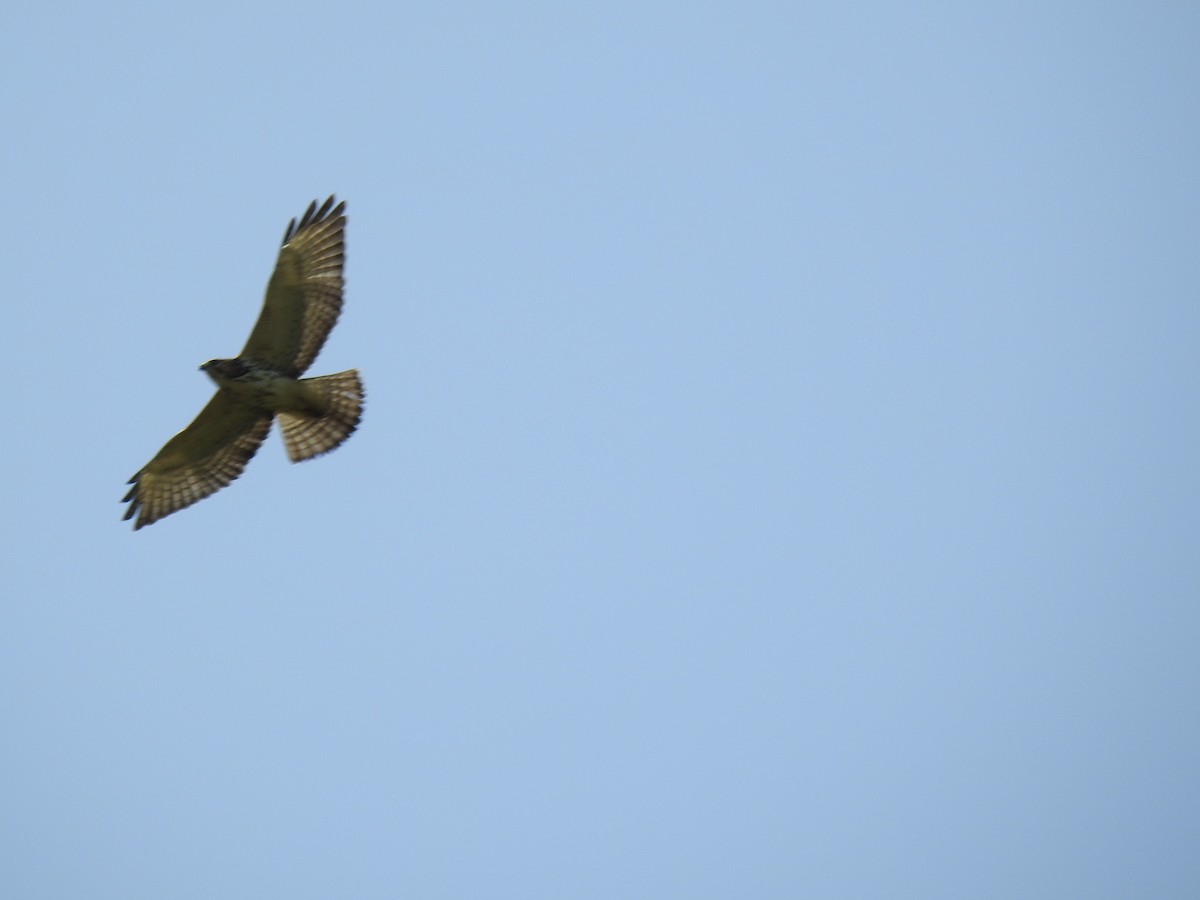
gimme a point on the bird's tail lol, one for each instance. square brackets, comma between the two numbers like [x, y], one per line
[307, 436]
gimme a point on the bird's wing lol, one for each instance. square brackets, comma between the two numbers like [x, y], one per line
[200, 460]
[304, 295]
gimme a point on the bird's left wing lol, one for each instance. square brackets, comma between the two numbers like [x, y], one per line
[200, 460]
[304, 295]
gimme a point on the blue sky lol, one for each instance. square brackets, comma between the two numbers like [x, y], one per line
[778, 476]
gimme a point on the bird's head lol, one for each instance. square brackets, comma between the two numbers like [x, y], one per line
[220, 370]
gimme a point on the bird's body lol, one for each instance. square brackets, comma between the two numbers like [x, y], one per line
[304, 298]
[262, 387]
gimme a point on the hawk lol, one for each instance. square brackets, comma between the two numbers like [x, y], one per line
[304, 298]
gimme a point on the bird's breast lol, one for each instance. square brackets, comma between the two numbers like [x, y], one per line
[272, 392]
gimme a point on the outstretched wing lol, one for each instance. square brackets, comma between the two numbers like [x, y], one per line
[304, 295]
[200, 460]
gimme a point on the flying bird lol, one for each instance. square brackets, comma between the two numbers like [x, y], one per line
[304, 298]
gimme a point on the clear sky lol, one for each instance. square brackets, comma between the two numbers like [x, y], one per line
[778, 477]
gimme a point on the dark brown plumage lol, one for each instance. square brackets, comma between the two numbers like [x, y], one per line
[302, 304]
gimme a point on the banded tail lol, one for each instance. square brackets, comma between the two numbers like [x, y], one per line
[307, 436]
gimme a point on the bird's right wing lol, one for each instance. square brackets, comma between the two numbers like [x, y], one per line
[304, 295]
[200, 460]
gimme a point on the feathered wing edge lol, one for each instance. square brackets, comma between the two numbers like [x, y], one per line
[203, 458]
[319, 240]
[304, 294]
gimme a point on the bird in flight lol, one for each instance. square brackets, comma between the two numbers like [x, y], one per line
[304, 298]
